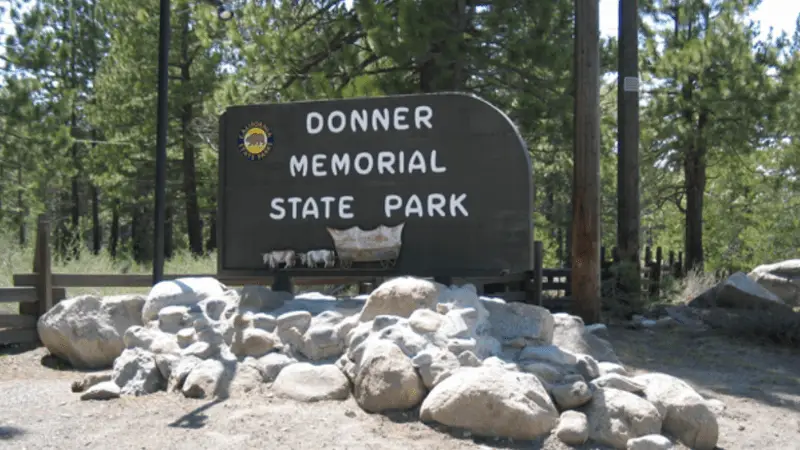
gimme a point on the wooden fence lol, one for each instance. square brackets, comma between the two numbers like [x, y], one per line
[38, 291]
[653, 271]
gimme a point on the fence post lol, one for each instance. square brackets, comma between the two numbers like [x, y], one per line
[538, 262]
[43, 269]
[44, 285]
[655, 271]
[680, 265]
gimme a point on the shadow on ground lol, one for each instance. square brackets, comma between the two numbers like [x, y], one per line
[196, 418]
[8, 433]
[16, 349]
[764, 373]
[51, 362]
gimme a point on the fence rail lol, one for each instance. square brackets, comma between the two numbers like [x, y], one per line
[653, 271]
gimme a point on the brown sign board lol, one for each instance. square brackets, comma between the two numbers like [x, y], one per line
[426, 185]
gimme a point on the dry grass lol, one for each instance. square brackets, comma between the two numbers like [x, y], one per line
[17, 259]
[687, 288]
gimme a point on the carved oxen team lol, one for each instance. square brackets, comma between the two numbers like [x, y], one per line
[353, 245]
[290, 258]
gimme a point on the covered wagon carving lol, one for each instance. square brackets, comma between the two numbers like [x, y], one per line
[381, 244]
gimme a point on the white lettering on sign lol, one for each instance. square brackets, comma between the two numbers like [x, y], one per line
[379, 119]
[433, 205]
[311, 208]
[365, 163]
[382, 163]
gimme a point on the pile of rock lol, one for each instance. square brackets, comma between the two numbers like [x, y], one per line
[493, 368]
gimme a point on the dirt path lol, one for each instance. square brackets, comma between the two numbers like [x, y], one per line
[759, 385]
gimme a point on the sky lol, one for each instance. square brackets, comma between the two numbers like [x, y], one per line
[779, 14]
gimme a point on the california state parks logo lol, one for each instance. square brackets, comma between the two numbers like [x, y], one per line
[255, 141]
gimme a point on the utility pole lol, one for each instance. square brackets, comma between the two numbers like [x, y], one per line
[586, 163]
[162, 118]
[628, 138]
[162, 126]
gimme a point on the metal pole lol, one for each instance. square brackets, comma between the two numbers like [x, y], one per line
[161, 141]
[628, 138]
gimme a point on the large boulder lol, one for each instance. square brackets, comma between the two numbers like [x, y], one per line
[571, 335]
[182, 291]
[150, 339]
[386, 380]
[465, 298]
[781, 278]
[738, 292]
[306, 382]
[686, 414]
[260, 298]
[271, 365]
[529, 324]
[400, 297]
[573, 428]
[617, 416]
[209, 379]
[136, 373]
[87, 331]
[492, 401]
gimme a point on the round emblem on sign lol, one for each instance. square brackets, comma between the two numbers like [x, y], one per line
[255, 141]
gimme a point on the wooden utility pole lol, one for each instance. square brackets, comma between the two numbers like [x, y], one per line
[586, 172]
[628, 138]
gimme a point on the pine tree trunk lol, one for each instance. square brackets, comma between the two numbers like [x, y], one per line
[211, 244]
[114, 238]
[136, 246]
[169, 230]
[695, 165]
[23, 238]
[97, 232]
[194, 226]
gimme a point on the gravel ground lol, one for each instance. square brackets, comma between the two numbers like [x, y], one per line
[759, 385]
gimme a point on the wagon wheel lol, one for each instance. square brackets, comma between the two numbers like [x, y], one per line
[346, 263]
[387, 263]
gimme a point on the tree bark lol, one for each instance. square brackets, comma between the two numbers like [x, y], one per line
[629, 280]
[586, 171]
[2, 189]
[114, 235]
[136, 238]
[211, 244]
[169, 232]
[695, 165]
[21, 214]
[96, 230]
[75, 237]
[194, 226]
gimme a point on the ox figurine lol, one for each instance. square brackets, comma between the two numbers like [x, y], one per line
[278, 257]
[314, 257]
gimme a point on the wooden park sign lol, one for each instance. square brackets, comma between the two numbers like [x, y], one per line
[428, 185]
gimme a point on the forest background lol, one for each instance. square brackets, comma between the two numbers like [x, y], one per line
[720, 113]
